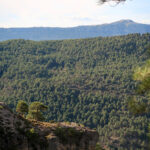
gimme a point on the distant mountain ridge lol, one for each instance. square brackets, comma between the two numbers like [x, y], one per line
[121, 27]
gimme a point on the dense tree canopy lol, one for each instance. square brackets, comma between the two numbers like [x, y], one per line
[87, 81]
[142, 75]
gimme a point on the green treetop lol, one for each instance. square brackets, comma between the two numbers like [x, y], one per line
[22, 107]
[35, 111]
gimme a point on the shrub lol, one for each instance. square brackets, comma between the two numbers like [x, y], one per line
[67, 135]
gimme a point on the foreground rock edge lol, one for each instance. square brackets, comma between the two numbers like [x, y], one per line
[18, 133]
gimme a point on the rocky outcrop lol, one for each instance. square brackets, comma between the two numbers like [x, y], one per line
[18, 133]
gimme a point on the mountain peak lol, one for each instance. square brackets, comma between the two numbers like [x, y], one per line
[121, 27]
[124, 21]
[127, 20]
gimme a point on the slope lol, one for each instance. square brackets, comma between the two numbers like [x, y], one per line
[87, 81]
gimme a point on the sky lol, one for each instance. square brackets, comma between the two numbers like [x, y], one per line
[69, 13]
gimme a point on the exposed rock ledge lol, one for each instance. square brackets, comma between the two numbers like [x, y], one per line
[17, 133]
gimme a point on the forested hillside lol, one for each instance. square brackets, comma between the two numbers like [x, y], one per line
[88, 81]
[121, 27]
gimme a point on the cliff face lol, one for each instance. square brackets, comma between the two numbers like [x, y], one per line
[17, 133]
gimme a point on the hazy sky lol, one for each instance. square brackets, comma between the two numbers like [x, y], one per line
[67, 13]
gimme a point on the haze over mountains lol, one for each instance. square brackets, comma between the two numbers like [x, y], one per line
[121, 27]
